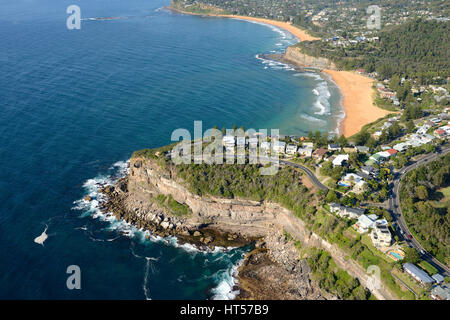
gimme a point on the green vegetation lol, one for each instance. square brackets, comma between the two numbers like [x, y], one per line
[419, 192]
[334, 280]
[168, 202]
[428, 267]
[418, 48]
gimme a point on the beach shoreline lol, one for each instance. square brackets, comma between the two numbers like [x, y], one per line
[356, 90]
[357, 101]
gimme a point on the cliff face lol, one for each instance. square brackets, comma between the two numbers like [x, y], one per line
[294, 55]
[147, 179]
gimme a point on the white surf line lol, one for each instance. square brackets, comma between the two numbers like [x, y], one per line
[148, 264]
[41, 239]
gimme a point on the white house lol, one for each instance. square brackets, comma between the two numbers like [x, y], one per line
[339, 159]
[229, 141]
[305, 152]
[363, 224]
[334, 147]
[380, 235]
[279, 146]
[265, 146]
[240, 141]
[291, 149]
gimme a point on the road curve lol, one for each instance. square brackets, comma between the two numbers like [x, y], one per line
[394, 204]
[308, 172]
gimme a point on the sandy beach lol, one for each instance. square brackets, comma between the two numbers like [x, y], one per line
[356, 89]
[300, 34]
[358, 101]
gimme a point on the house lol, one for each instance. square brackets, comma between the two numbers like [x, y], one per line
[291, 149]
[376, 157]
[362, 149]
[417, 273]
[369, 170]
[279, 146]
[338, 161]
[363, 224]
[352, 179]
[359, 186]
[349, 150]
[305, 152]
[392, 152]
[380, 235]
[334, 147]
[438, 278]
[265, 146]
[439, 133]
[240, 141]
[308, 145]
[441, 292]
[319, 153]
[253, 142]
[423, 129]
[228, 141]
[401, 146]
[346, 212]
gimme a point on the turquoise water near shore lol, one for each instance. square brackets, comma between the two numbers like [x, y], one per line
[76, 103]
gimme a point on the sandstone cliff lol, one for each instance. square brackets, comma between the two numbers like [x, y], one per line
[147, 179]
[295, 56]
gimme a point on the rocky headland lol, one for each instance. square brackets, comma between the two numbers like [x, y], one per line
[273, 270]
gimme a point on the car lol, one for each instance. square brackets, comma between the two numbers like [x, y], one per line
[409, 237]
[422, 251]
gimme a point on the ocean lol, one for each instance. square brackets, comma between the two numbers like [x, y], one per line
[75, 104]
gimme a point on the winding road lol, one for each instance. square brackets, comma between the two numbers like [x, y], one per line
[398, 218]
[308, 172]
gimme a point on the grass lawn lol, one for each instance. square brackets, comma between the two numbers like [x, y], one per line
[410, 282]
[445, 201]
[365, 239]
[427, 267]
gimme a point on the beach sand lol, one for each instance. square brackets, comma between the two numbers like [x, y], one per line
[300, 34]
[356, 89]
[358, 101]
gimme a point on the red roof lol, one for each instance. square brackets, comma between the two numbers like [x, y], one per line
[439, 131]
[391, 151]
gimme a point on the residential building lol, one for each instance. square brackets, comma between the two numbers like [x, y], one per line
[441, 292]
[334, 147]
[417, 273]
[438, 278]
[363, 224]
[291, 149]
[305, 152]
[338, 161]
[319, 153]
[369, 170]
[346, 212]
[228, 141]
[240, 141]
[380, 235]
[279, 146]
[362, 149]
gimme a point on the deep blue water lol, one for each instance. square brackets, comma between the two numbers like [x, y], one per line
[76, 102]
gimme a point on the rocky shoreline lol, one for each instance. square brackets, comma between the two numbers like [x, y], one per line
[271, 270]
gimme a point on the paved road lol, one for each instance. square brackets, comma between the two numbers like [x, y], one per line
[308, 172]
[396, 211]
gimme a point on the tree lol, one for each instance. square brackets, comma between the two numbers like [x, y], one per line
[411, 255]
[421, 192]
[331, 196]
[410, 126]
